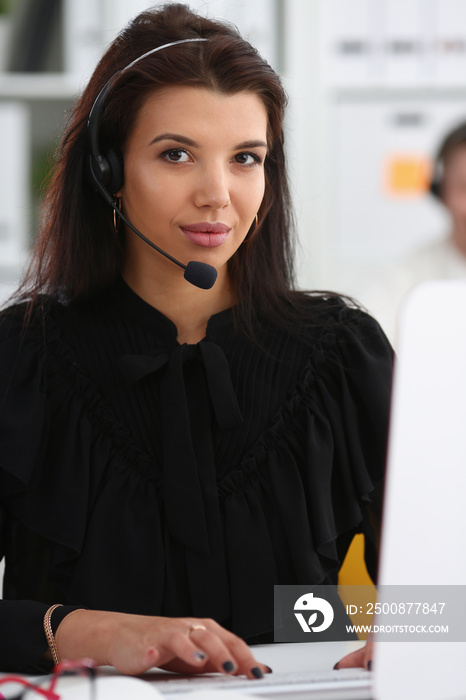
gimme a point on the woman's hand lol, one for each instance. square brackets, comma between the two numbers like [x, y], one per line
[362, 658]
[135, 643]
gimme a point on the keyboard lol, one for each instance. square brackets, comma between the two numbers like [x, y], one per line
[347, 684]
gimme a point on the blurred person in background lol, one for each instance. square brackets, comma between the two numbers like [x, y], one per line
[444, 258]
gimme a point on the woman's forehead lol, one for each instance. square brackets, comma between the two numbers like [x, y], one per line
[199, 112]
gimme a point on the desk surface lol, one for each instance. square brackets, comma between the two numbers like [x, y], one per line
[319, 656]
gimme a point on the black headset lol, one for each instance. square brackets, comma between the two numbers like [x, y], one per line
[106, 173]
[454, 138]
[106, 169]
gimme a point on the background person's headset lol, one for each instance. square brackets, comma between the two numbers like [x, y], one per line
[454, 138]
[107, 175]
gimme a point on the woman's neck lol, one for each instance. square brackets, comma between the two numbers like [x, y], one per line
[187, 306]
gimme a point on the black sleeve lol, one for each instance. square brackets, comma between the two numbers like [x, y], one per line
[355, 395]
[370, 374]
[22, 642]
[22, 639]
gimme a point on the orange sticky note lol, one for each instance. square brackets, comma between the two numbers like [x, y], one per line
[407, 175]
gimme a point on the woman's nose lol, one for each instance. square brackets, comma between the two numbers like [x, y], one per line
[212, 188]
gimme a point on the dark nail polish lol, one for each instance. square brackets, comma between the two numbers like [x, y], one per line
[256, 672]
[335, 668]
[369, 665]
[228, 667]
[269, 670]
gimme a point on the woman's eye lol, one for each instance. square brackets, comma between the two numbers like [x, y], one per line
[176, 155]
[247, 159]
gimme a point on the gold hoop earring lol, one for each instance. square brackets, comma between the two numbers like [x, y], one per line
[116, 216]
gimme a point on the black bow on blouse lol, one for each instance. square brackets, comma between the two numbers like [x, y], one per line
[196, 379]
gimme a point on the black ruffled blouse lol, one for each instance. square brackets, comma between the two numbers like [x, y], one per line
[144, 476]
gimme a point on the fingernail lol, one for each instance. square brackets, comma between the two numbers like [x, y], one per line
[199, 656]
[269, 670]
[335, 668]
[369, 665]
[256, 672]
[228, 667]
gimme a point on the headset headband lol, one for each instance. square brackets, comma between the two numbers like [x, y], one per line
[94, 114]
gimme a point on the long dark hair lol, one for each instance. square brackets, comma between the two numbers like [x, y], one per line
[77, 253]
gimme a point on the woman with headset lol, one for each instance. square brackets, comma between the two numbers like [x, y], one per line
[178, 432]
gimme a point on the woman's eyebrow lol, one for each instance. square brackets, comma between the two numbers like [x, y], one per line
[186, 141]
[251, 144]
[175, 137]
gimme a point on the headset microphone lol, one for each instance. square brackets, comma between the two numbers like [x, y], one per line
[197, 273]
[107, 176]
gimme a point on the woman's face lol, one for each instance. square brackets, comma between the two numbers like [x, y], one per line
[454, 183]
[194, 176]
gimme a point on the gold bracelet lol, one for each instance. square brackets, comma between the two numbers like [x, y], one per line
[49, 634]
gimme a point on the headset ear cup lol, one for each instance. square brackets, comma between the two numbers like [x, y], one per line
[98, 171]
[116, 169]
[435, 189]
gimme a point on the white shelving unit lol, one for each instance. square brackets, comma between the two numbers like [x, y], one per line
[39, 104]
[33, 107]
[43, 87]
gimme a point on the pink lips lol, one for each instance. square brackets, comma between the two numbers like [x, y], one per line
[206, 234]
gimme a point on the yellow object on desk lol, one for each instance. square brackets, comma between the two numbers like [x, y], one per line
[353, 573]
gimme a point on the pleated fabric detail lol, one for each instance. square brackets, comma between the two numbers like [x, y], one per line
[185, 480]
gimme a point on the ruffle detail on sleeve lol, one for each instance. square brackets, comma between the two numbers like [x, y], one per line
[91, 478]
[97, 496]
[307, 482]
